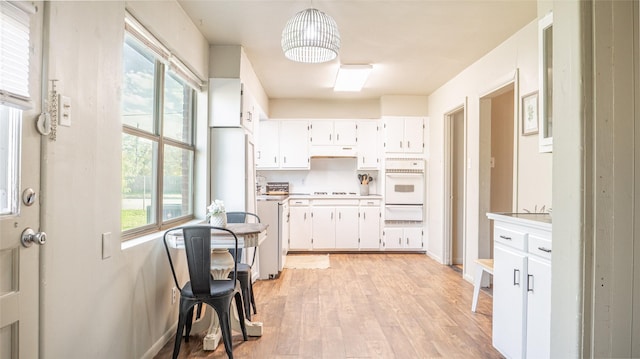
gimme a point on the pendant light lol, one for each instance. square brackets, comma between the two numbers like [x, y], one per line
[311, 36]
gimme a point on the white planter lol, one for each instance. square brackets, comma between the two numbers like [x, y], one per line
[218, 220]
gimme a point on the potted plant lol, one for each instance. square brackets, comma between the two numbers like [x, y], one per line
[216, 214]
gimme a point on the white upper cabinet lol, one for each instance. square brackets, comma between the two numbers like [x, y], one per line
[404, 134]
[294, 144]
[225, 102]
[250, 111]
[268, 153]
[345, 132]
[333, 132]
[283, 145]
[368, 145]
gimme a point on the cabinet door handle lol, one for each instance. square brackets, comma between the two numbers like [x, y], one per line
[259, 154]
[340, 215]
[505, 237]
[547, 250]
[329, 137]
[529, 283]
[364, 216]
[332, 216]
[516, 277]
[338, 137]
[285, 159]
[400, 144]
[275, 159]
[408, 144]
[305, 216]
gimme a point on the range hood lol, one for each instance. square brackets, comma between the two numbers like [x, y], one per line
[333, 151]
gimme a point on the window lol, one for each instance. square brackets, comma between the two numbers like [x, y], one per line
[14, 98]
[158, 149]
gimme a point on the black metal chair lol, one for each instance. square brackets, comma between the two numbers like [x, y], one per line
[244, 269]
[202, 288]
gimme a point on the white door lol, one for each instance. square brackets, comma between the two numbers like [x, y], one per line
[321, 133]
[268, 145]
[393, 238]
[19, 172]
[345, 133]
[413, 238]
[508, 301]
[299, 228]
[294, 144]
[368, 145]
[538, 308]
[346, 227]
[413, 135]
[394, 134]
[323, 227]
[19, 264]
[369, 227]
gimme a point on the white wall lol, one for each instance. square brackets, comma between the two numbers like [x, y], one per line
[518, 53]
[117, 307]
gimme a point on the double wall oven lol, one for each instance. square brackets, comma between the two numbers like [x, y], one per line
[404, 189]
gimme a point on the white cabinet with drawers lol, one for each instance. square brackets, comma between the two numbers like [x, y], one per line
[522, 284]
[326, 224]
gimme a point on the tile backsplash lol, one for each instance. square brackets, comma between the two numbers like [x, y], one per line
[325, 175]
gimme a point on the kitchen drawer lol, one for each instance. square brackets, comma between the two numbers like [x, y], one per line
[370, 202]
[510, 237]
[335, 202]
[539, 246]
[298, 202]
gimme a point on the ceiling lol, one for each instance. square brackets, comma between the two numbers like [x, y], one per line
[415, 46]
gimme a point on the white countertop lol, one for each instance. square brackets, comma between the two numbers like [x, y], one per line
[542, 220]
[315, 196]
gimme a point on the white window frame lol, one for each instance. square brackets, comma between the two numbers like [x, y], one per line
[164, 62]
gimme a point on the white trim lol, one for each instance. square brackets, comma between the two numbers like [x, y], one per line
[134, 28]
[26, 6]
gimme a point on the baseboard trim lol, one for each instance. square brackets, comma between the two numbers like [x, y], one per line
[160, 343]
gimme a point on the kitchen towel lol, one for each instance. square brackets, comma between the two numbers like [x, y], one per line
[307, 261]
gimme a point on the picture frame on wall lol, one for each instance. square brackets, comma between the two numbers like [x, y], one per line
[530, 113]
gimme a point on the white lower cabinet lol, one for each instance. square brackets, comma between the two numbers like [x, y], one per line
[539, 297]
[334, 224]
[369, 225]
[408, 238]
[299, 225]
[323, 228]
[508, 301]
[347, 227]
[522, 285]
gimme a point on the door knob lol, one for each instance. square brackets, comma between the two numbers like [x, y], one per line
[30, 237]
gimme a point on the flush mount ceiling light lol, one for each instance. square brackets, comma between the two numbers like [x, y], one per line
[311, 36]
[351, 78]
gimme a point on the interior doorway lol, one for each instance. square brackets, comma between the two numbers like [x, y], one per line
[455, 184]
[497, 131]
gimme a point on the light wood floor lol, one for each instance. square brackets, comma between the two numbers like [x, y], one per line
[364, 306]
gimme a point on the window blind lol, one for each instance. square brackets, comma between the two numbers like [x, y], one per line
[14, 56]
[138, 31]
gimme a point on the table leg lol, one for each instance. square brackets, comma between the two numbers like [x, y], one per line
[221, 265]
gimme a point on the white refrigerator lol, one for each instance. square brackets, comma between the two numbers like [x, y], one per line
[233, 174]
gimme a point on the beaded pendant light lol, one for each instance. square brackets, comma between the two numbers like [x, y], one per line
[311, 36]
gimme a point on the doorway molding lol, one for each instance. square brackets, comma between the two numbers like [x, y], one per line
[448, 190]
[507, 82]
